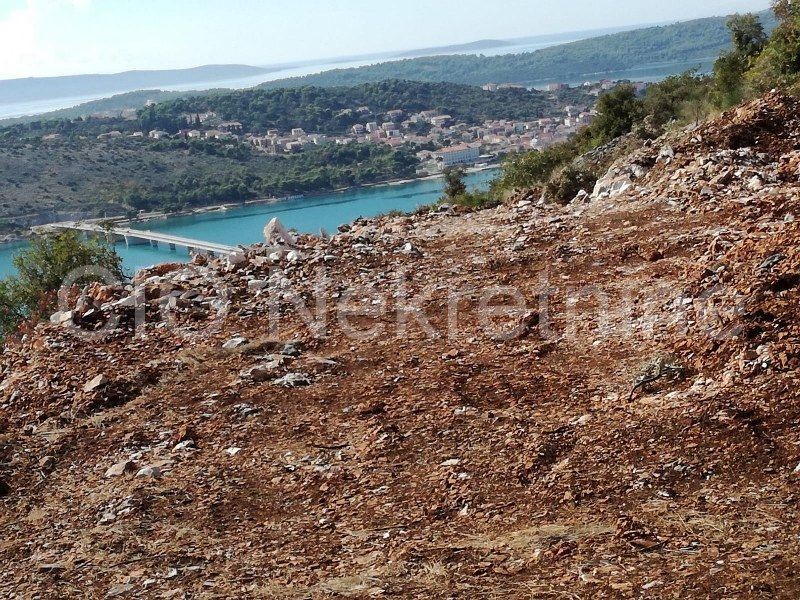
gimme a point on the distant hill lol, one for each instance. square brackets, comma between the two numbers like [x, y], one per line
[700, 41]
[32, 89]
[112, 106]
[470, 47]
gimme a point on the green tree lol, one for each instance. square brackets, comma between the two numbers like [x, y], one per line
[454, 186]
[676, 98]
[529, 169]
[41, 270]
[747, 34]
[749, 40]
[779, 63]
[786, 10]
[617, 112]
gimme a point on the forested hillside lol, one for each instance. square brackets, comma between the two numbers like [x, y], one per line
[701, 40]
[125, 175]
[335, 109]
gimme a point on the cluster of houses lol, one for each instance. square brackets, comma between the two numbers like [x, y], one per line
[593, 88]
[449, 142]
[467, 145]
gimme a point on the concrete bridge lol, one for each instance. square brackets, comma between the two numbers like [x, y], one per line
[134, 237]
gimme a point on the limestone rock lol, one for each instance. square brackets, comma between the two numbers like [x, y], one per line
[276, 234]
[95, 384]
[124, 467]
[234, 343]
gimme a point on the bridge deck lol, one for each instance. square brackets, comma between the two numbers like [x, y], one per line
[128, 234]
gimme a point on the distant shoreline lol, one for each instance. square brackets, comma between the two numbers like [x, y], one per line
[228, 206]
[158, 215]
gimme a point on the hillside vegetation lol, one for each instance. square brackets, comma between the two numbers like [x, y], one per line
[317, 109]
[700, 41]
[128, 175]
[762, 56]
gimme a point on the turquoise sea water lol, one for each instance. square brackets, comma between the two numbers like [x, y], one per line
[244, 225]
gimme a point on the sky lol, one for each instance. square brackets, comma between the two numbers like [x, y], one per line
[66, 37]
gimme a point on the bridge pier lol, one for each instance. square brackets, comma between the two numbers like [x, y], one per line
[173, 247]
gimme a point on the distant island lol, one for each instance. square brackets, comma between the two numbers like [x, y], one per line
[470, 47]
[32, 89]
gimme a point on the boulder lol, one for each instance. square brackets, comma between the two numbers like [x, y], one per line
[276, 234]
[756, 183]
[666, 154]
[581, 197]
[612, 184]
[236, 258]
[291, 380]
[256, 285]
[95, 384]
[234, 343]
[149, 471]
[47, 463]
[124, 467]
[263, 371]
[61, 317]
[291, 349]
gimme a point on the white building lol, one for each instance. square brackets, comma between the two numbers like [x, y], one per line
[457, 155]
[441, 120]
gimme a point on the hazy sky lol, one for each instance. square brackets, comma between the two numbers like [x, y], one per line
[60, 37]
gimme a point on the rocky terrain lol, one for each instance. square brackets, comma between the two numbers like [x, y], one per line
[633, 431]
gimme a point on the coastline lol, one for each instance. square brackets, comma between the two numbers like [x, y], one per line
[257, 201]
[157, 215]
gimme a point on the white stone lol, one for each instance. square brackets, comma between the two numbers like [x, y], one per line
[293, 380]
[95, 383]
[184, 446]
[275, 233]
[234, 343]
[236, 258]
[121, 468]
[149, 472]
[256, 285]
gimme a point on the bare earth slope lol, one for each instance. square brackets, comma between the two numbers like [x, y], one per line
[435, 463]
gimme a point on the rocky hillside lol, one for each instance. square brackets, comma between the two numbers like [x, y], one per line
[632, 431]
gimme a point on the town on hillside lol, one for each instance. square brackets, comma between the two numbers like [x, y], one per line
[446, 142]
